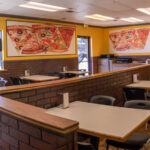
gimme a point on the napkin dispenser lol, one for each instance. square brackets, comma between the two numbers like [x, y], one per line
[135, 77]
[65, 100]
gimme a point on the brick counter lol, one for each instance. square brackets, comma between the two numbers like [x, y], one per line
[25, 127]
[47, 94]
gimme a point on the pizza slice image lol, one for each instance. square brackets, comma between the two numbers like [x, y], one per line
[115, 39]
[24, 39]
[133, 39]
[143, 35]
[67, 34]
[49, 38]
[18, 35]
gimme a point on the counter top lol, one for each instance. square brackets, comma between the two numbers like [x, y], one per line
[37, 116]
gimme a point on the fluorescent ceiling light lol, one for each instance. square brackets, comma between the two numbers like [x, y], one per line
[131, 19]
[99, 17]
[41, 6]
[144, 10]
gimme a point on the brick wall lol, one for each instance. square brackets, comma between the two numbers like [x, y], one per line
[111, 85]
[19, 135]
[17, 68]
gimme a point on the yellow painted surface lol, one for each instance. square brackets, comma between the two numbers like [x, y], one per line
[106, 37]
[96, 35]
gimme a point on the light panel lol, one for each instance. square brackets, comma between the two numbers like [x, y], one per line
[41, 6]
[144, 10]
[99, 17]
[132, 19]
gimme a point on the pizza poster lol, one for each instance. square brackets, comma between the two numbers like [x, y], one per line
[136, 40]
[30, 39]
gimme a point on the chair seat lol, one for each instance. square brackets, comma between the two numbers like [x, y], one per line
[85, 146]
[134, 142]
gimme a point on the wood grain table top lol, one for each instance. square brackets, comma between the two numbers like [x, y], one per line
[75, 72]
[39, 78]
[144, 84]
[111, 122]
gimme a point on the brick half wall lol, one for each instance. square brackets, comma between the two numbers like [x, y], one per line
[17, 134]
[110, 84]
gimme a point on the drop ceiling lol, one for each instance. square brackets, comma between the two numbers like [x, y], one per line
[81, 8]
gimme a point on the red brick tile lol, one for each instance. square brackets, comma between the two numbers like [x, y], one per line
[9, 121]
[50, 94]
[24, 146]
[63, 148]
[13, 95]
[4, 128]
[47, 106]
[43, 90]
[19, 135]
[49, 137]
[41, 144]
[10, 140]
[24, 100]
[43, 101]
[4, 145]
[28, 93]
[31, 130]
[13, 148]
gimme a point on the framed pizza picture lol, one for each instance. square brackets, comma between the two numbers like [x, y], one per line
[135, 40]
[34, 39]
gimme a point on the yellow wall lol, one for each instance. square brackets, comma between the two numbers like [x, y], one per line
[106, 37]
[96, 35]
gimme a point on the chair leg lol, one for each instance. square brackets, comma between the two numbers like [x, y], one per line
[107, 147]
[95, 142]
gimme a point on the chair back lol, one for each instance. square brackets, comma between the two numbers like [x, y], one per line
[15, 80]
[138, 104]
[102, 99]
[134, 93]
[2, 83]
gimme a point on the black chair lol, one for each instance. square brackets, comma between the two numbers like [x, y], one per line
[57, 74]
[102, 99]
[54, 74]
[138, 104]
[22, 81]
[70, 75]
[92, 144]
[105, 100]
[135, 94]
[2, 83]
[15, 80]
[85, 146]
[137, 140]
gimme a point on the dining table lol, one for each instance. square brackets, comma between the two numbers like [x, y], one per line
[77, 73]
[39, 78]
[144, 84]
[111, 122]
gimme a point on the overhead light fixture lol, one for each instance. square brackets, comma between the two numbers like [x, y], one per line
[41, 6]
[131, 19]
[99, 17]
[144, 10]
